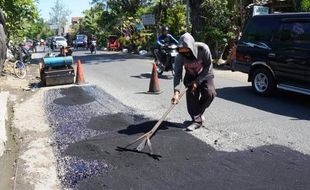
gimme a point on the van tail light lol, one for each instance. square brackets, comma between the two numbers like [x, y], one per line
[242, 58]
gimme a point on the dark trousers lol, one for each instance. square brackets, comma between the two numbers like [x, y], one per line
[163, 56]
[201, 99]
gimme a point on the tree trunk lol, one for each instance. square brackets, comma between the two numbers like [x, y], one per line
[195, 13]
[295, 5]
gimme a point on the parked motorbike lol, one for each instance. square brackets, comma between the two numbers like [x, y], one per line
[93, 47]
[21, 53]
[170, 52]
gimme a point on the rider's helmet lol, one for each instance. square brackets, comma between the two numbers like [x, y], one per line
[164, 30]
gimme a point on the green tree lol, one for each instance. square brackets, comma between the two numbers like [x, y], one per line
[19, 15]
[35, 29]
[305, 5]
[211, 23]
[59, 16]
[117, 17]
[39, 30]
[170, 13]
[98, 21]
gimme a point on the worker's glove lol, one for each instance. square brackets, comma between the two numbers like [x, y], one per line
[175, 99]
[194, 87]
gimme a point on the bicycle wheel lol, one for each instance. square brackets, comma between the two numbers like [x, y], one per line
[20, 69]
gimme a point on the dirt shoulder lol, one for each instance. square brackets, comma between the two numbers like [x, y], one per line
[20, 91]
[36, 164]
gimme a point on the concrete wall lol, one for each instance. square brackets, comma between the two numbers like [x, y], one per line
[3, 118]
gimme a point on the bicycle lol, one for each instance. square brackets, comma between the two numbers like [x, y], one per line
[20, 69]
[21, 57]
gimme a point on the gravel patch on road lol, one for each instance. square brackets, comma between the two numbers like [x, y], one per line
[70, 110]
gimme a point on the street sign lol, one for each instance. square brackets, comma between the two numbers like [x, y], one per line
[54, 26]
[260, 10]
[148, 19]
[139, 26]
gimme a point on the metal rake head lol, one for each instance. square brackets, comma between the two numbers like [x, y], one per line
[145, 140]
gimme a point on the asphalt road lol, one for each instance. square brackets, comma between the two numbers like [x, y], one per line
[249, 142]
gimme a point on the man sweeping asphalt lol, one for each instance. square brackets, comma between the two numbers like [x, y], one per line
[197, 61]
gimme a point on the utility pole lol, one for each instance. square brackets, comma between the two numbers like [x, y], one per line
[187, 15]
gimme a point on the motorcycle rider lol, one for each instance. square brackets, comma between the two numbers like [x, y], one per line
[92, 43]
[90, 39]
[197, 61]
[163, 41]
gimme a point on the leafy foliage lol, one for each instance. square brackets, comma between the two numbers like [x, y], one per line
[213, 24]
[216, 22]
[123, 18]
[305, 5]
[19, 15]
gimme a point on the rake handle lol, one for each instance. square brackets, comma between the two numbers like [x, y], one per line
[147, 136]
[150, 133]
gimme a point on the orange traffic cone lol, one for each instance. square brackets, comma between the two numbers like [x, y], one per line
[80, 73]
[154, 83]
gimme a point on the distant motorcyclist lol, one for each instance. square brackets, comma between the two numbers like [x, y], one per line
[163, 41]
[92, 44]
[90, 39]
[165, 38]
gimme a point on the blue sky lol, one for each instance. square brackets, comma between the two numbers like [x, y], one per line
[75, 6]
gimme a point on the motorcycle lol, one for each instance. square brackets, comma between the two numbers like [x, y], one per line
[170, 52]
[93, 47]
[22, 53]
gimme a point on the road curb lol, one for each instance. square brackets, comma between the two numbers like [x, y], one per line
[3, 118]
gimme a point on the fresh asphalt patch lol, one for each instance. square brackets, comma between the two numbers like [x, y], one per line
[71, 99]
[89, 125]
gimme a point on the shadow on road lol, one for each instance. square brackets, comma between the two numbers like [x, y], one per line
[281, 103]
[146, 127]
[95, 59]
[149, 75]
[99, 58]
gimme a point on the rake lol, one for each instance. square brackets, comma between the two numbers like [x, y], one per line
[146, 138]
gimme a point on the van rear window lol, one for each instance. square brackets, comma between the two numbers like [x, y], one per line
[260, 29]
[295, 32]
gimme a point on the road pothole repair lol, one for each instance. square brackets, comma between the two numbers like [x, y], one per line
[87, 137]
[74, 96]
[109, 122]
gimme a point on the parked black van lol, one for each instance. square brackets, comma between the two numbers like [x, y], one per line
[275, 52]
[2, 41]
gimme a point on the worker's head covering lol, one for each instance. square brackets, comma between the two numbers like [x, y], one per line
[164, 29]
[188, 41]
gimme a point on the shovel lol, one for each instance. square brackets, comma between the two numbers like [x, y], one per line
[146, 138]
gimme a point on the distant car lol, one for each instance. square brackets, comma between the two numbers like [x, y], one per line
[80, 41]
[3, 47]
[275, 52]
[59, 41]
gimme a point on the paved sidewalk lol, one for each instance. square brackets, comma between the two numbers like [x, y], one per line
[3, 117]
